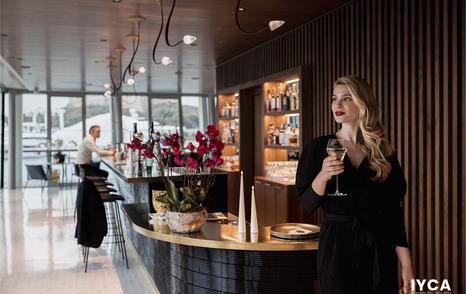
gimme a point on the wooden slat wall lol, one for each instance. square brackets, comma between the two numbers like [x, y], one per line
[412, 53]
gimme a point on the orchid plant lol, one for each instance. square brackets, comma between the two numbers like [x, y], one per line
[192, 162]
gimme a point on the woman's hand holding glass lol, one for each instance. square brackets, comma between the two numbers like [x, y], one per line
[331, 166]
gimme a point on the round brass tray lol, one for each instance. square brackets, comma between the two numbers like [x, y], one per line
[295, 231]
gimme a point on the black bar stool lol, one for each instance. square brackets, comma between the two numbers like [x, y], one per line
[112, 211]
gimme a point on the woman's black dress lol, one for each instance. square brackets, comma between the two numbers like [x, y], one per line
[361, 230]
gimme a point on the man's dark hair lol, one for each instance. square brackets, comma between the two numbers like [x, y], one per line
[91, 129]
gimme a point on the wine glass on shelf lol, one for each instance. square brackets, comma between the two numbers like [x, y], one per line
[336, 147]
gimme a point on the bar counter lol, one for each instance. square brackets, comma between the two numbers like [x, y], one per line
[212, 260]
[215, 261]
[138, 189]
[119, 169]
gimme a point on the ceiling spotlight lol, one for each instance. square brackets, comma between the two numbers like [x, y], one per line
[188, 39]
[141, 69]
[117, 1]
[130, 81]
[108, 93]
[275, 24]
[166, 60]
[107, 85]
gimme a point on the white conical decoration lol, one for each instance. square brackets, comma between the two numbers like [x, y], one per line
[254, 226]
[242, 214]
[254, 237]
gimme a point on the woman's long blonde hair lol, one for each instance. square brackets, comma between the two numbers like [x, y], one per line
[371, 134]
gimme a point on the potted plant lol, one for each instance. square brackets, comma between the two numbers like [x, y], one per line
[186, 205]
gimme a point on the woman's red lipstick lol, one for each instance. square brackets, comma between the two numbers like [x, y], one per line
[339, 113]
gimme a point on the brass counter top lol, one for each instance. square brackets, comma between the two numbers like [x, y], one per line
[119, 168]
[212, 235]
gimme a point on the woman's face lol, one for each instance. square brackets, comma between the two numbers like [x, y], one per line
[343, 107]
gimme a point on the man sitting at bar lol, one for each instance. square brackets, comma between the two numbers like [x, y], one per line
[86, 148]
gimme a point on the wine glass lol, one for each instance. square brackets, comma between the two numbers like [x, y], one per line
[336, 147]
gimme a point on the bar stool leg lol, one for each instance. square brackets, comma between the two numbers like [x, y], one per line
[122, 237]
[115, 229]
[86, 258]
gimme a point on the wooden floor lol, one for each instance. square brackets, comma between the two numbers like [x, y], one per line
[39, 254]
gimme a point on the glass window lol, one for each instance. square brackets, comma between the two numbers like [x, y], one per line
[165, 114]
[134, 110]
[67, 122]
[34, 132]
[98, 112]
[4, 111]
[193, 117]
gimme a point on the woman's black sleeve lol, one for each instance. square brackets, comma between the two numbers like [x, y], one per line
[308, 168]
[396, 189]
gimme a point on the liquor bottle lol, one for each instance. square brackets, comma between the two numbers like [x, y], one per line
[274, 101]
[280, 98]
[236, 109]
[286, 100]
[269, 102]
[135, 130]
[296, 91]
[232, 135]
[151, 134]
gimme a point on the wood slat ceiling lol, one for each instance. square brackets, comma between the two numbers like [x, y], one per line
[61, 40]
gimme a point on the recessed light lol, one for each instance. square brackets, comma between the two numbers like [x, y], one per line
[117, 1]
[241, 9]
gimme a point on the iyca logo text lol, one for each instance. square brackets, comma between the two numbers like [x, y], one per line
[431, 285]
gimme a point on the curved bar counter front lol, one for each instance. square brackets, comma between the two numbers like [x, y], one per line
[214, 260]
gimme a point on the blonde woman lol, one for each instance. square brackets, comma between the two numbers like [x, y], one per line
[363, 234]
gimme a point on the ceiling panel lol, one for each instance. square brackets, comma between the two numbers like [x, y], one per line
[63, 45]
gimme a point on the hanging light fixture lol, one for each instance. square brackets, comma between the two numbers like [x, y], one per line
[273, 24]
[165, 60]
[187, 39]
[135, 38]
[141, 69]
[158, 35]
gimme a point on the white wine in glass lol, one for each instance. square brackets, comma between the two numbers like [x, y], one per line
[336, 147]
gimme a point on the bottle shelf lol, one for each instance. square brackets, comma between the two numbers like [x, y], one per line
[282, 147]
[228, 118]
[279, 113]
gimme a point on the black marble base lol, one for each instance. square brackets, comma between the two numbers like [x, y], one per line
[186, 269]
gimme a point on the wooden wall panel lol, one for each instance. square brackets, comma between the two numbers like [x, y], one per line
[412, 52]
